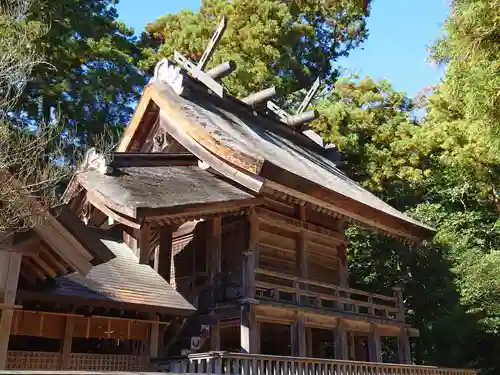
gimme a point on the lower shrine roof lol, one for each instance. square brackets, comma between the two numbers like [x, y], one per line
[121, 281]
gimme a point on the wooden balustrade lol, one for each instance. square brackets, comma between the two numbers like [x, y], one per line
[287, 288]
[253, 364]
[27, 360]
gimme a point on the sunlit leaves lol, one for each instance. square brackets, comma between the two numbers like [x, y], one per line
[273, 42]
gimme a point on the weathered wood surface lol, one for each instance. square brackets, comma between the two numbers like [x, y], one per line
[120, 280]
[286, 288]
[246, 364]
[260, 146]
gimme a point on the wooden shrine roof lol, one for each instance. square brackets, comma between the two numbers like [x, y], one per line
[119, 282]
[58, 245]
[131, 190]
[262, 147]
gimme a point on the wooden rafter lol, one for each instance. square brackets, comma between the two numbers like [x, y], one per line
[100, 202]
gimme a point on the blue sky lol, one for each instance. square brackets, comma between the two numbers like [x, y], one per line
[396, 50]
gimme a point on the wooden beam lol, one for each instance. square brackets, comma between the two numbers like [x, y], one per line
[62, 244]
[26, 247]
[98, 202]
[44, 266]
[10, 265]
[47, 253]
[297, 225]
[372, 222]
[67, 343]
[54, 233]
[33, 269]
[196, 209]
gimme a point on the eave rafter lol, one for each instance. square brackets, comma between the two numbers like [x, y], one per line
[176, 220]
[278, 193]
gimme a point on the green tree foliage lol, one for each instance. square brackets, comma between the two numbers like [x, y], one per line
[445, 175]
[442, 170]
[382, 148]
[471, 49]
[89, 79]
[273, 42]
[26, 168]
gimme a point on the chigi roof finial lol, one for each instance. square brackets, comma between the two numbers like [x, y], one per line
[168, 72]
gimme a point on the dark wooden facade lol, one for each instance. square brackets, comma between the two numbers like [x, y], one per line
[245, 218]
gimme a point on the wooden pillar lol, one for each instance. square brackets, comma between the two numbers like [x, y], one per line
[154, 337]
[374, 347]
[404, 349]
[398, 294]
[215, 337]
[144, 244]
[302, 246]
[67, 343]
[250, 257]
[298, 338]
[164, 258]
[10, 265]
[309, 342]
[249, 330]
[214, 248]
[341, 345]
[403, 339]
[130, 236]
[214, 255]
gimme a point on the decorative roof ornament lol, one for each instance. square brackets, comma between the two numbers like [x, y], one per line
[96, 161]
[166, 71]
[198, 70]
[301, 117]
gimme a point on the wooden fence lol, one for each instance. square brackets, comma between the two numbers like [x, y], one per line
[26, 360]
[257, 364]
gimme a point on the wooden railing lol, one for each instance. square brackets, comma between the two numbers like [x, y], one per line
[277, 286]
[28, 360]
[257, 364]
